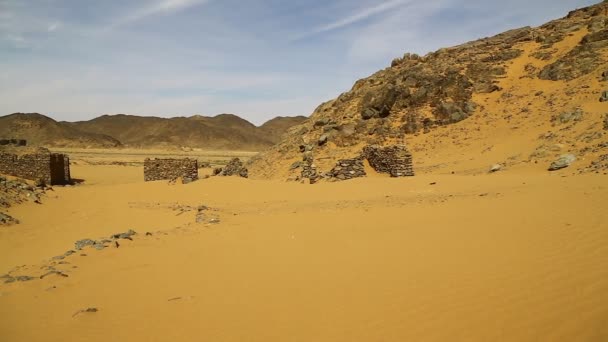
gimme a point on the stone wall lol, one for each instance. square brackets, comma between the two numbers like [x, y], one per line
[13, 142]
[348, 169]
[394, 160]
[170, 169]
[39, 165]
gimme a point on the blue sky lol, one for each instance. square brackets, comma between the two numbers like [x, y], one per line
[78, 59]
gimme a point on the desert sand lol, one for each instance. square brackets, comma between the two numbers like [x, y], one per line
[512, 256]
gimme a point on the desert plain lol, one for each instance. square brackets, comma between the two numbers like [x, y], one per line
[510, 256]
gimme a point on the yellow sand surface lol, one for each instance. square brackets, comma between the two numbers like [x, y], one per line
[511, 256]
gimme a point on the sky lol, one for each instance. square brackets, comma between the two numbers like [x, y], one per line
[78, 59]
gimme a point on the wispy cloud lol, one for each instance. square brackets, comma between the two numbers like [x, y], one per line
[157, 8]
[361, 15]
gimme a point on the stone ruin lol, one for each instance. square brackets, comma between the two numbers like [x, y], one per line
[13, 142]
[395, 160]
[309, 169]
[234, 168]
[170, 169]
[348, 169]
[36, 164]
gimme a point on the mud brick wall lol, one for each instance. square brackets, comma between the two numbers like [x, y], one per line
[394, 160]
[170, 169]
[348, 169]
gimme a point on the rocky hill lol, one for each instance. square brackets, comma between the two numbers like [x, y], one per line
[41, 130]
[519, 99]
[225, 131]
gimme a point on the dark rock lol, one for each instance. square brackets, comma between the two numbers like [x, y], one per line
[605, 122]
[128, 235]
[604, 96]
[80, 244]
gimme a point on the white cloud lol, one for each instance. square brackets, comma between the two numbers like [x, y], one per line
[363, 14]
[53, 27]
[157, 8]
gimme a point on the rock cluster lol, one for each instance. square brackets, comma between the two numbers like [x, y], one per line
[7, 220]
[37, 164]
[348, 169]
[101, 243]
[395, 160]
[234, 168]
[171, 169]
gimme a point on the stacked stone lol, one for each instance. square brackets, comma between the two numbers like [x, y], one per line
[348, 169]
[234, 168]
[309, 169]
[13, 142]
[170, 169]
[39, 165]
[394, 160]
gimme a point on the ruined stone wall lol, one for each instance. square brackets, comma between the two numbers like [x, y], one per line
[170, 169]
[394, 160]
[36, 167]
[348, 169]
[13, 142]
[39, 165]
[60, 169]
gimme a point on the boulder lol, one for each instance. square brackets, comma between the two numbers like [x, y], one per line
[495, 168]
[562, 162]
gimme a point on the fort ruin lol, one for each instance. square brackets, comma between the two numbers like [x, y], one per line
[36, 164]
[170, 169]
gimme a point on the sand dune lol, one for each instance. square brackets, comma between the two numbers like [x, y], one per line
[507, 257]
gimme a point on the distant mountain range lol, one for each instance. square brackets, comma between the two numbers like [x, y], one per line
[224, 131]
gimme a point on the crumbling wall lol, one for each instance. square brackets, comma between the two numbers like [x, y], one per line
[170, 169]
[348, 169]
[13, 142]
[39, 165]
[395, 160]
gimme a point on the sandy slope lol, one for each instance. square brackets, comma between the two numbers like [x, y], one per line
[513, 256]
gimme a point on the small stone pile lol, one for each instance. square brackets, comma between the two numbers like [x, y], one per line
[234, 168]
[348, 169]
[170, 169]
[16, 192]
[395, 160]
